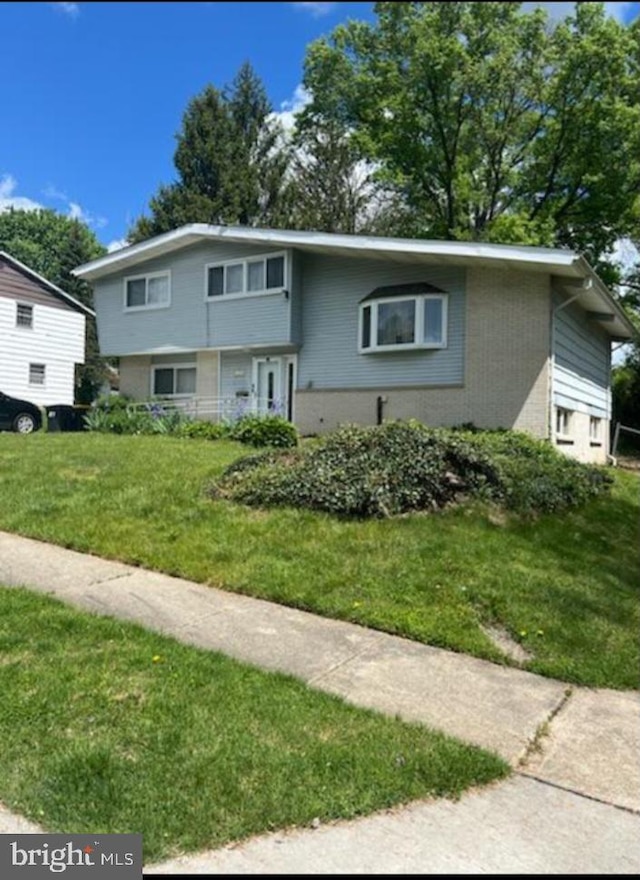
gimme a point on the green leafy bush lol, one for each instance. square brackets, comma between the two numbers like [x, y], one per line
[202, 430]
[267, 430]
[117, 415]
[402, 467]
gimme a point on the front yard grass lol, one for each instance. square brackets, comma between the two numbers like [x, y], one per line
[108, 728]
[564, 585]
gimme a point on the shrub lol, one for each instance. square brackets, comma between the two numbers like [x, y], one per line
[117, 415]
[267, 430]
[401, 467]
[203, 430]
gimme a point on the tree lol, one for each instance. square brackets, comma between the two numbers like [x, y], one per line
[488, 122]
[626, 377]
[231, 161]
[52, 245]
[332, 188]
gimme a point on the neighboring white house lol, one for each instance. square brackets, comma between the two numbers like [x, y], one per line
[330, 329]
[42, 336]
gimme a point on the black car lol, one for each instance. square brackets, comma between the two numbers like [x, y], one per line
[19, 415]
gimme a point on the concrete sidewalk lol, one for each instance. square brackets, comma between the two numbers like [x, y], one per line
[591, 741]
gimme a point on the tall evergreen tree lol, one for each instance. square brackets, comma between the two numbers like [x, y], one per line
[230, 158]
[52, 245]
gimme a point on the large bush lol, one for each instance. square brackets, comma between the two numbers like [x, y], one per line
[267, 430]
[401, 467]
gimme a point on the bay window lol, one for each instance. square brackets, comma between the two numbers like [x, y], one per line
[403, 317]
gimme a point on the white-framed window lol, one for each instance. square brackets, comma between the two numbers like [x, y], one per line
[563, 421]
[151, 291]
[37, 374]
[249, 277]
[173, 380]
[403, 322]
[24, 316]
[595, 430]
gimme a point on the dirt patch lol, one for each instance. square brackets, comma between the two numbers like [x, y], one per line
[503, 641]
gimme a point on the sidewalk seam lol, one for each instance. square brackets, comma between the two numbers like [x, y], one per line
[582, 794]
[320, 675]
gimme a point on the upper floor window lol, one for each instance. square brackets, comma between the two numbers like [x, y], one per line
[403, 316]
[24, 315]
[151, 291]
[37, 374]
[241, 277]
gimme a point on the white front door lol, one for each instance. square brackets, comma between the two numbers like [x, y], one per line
[268, 385]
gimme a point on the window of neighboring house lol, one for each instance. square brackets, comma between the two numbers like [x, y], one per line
[174, 381]
[37, 373]
[24, 316]
[398, 322]
[148, 291]
[595, 430]
[254, 275]
[563, 422]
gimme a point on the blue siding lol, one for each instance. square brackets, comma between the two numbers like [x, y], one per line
[582, 360]
[332, 290]
[256, 320]
[190, 323]
[235, 373]
[297, 287]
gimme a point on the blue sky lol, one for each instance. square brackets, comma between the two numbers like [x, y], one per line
[92, 94]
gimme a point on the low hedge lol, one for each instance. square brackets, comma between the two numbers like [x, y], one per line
[118, 415]
[401, 467]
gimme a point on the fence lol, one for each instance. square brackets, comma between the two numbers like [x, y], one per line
[215, 409]
[616, 436]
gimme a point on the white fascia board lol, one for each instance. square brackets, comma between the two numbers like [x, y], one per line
[322, 241]
[624, 328]
[53, 287]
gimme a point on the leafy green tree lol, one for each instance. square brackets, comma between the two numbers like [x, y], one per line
[332, 188]
[231, 160]
[52, 245]
[626, 376]
[490, 123]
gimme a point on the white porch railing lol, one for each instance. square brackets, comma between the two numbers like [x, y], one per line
[214, 409]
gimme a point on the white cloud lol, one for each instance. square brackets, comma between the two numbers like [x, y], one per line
[289, 109]
[52, 192]
[317, 10]
[117, 245]
[8, 185]
[625, 254]
[76, 212]
[72, 10]
[562, 9]
[9, 199]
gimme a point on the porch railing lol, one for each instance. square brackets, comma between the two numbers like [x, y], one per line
[214, 409]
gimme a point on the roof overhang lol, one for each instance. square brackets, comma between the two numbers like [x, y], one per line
[61, 294]
[560, 263]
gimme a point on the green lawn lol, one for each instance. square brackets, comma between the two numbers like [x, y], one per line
[108, 728]
[566, 585]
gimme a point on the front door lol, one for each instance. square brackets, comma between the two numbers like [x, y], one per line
[268, 385]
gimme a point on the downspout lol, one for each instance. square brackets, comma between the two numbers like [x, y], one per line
[554, 312]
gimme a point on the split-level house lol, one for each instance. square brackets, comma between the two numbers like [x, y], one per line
[332, 329]
[42, 336]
